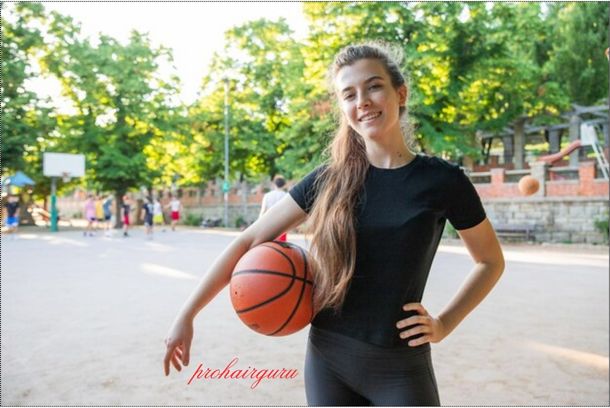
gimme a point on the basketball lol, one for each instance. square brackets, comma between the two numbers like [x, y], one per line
[272, 288]
[528, 185]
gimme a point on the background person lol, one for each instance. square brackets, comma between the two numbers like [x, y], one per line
[90, 215]
[147, 216]
[175, 207]
[273, 197]
[12, 215]
[107, 208]
[158, 214]
[125, 213]
[99, 212]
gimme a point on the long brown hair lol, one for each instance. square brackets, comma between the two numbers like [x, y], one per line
[332, 218]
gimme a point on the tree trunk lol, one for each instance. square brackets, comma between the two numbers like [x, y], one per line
[118, 199]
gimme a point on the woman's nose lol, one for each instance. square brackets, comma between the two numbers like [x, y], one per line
[363, 100]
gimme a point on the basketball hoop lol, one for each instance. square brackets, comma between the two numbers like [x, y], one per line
[65, 176]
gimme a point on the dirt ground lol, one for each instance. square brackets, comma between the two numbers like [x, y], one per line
[84, 318]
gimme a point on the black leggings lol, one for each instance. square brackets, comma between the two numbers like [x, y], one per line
[340, 370]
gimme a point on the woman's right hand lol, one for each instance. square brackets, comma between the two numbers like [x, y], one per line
[178, 344]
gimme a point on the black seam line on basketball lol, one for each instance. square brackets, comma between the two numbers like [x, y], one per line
[312, 286]
[295, 308]
[279, 294]
[284, 245]
[294, 269]
[266, 272]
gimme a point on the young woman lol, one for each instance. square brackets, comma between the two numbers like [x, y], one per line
[376, 214]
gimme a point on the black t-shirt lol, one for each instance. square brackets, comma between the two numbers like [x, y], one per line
[400, 217]
[148, 210]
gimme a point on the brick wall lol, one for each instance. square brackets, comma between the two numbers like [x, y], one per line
[587, 185]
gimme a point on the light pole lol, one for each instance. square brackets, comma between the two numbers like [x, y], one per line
[225, 184]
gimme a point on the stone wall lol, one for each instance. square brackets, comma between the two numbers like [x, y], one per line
[248, 212]
[556, 219]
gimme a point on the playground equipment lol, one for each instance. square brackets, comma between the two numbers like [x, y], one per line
[588, 137]
[62, 165]
[554, 157]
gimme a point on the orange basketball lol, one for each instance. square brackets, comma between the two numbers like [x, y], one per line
[528, 185]
[272, 288]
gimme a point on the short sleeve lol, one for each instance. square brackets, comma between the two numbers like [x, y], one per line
[464, 207]
[265, 200]
[305, 191]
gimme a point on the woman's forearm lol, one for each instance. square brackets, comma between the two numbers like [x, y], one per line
[475, 288]
[282, 216]
[216, 278]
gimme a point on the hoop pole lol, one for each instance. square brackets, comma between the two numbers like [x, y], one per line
[53, 204]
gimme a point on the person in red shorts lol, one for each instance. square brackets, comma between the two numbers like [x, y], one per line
[125, 209]
[175, 207]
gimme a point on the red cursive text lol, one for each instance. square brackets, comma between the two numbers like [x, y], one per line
[238, 374]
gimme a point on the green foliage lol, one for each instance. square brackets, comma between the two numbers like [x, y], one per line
[471, 66]
[26, 118]
[123, 105]
[602, 225]
[577, 60]
[192, 220]
[241, 222]
[262, 65]
[450, 232]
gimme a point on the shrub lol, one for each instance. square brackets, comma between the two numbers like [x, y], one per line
[241, 222]
[193, 220]
[602, 226]
[449, 231]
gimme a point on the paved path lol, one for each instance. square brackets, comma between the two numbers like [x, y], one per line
[83, 322]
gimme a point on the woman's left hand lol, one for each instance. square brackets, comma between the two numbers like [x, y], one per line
[423, 323]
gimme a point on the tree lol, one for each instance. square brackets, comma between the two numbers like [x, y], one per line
[27, 119]
[580, 37]
[121, 101]
[264, 65]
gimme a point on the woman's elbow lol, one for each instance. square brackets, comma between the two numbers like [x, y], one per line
[253, 235]
[499, 263]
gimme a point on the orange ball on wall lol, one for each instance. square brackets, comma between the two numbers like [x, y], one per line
[528, 185]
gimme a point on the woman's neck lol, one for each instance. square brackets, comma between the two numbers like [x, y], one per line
[390, 155]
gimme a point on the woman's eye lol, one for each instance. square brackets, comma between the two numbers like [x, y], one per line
[348, 96]
[375, 86]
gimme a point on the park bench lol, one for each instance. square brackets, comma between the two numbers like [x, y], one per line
[519, 231]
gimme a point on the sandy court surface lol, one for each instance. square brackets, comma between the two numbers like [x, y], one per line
[83, 323]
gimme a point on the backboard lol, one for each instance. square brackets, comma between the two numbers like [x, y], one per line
[60, 164]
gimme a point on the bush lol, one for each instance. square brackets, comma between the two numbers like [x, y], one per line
[602, 226]
[449, 231]
[193, 220]
[241, 222]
